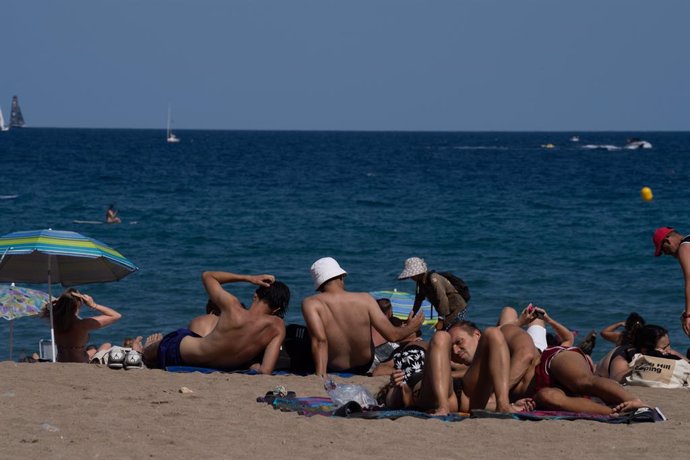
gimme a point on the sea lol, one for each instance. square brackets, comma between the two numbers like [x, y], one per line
[565, 227]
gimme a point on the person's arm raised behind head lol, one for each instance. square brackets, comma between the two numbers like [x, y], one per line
[319, 342]
[609, 332]
[213, 282]
[107, 315]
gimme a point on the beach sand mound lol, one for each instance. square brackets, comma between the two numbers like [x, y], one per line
[85, 411]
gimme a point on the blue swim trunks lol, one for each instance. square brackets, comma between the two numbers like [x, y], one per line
[169, 348]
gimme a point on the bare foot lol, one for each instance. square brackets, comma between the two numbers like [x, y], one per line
[152, 338]
[440, 411]
[629, 406]
[136, 344]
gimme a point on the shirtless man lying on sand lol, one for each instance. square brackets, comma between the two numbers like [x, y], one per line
[505, 366]
[240, 335]
[340, 322]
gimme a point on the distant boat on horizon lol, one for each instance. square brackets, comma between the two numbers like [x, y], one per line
[3, 127]
[635, 143]
[170, 136]
[16, 117]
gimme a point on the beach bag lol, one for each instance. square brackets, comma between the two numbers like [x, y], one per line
[297, 345]
[457, 283]
[651, 371]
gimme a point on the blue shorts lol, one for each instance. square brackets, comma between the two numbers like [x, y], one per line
[169, 348]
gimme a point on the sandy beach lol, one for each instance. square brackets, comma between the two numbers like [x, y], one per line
[86, 411]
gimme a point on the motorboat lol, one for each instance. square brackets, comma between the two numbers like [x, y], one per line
[575, 139]
[634, 143]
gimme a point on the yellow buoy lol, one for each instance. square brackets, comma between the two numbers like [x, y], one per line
[646, 194]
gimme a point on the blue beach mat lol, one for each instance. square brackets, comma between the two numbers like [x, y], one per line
[209, 370]
[324, 406]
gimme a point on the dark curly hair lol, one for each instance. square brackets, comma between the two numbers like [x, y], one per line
[632, 324]
[276, 295]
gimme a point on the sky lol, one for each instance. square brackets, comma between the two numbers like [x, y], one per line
[458, 65]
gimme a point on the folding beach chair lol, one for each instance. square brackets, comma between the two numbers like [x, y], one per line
[45, 350]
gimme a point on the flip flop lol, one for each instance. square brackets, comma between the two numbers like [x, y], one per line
[278, 394]
[352, 407]
[133, 360]
[116, 358]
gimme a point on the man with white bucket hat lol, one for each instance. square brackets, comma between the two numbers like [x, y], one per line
[340, 322]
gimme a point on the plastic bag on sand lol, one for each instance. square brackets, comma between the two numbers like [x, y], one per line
[342, 393]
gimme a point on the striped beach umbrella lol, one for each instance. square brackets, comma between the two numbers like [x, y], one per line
[402, 304]
[54, 256]
[68, 257]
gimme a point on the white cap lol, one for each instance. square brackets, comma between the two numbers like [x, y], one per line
[413, 266]
[325, 269]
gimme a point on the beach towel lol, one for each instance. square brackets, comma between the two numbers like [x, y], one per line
[322, 406]
[643, 415]
[651, 371]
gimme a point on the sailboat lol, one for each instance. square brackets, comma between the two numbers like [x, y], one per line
[16, 118]
[172, 139]
[2, 122]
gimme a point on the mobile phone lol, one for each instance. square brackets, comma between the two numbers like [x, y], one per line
[538, 313]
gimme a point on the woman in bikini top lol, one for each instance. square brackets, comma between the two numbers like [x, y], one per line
[649, 340]
[71, 331]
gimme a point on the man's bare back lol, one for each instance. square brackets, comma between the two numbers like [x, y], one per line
[236, 340]
[340, 323]
[240, 335]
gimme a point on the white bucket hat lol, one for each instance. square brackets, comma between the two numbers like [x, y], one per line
[413, 266]
[325, 269]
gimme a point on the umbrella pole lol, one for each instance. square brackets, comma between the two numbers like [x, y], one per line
[50, 307]
[11, 332]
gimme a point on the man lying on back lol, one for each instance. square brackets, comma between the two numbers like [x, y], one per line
[340, 322]
[239, 337]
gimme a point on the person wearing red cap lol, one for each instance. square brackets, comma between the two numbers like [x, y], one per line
[668, 241]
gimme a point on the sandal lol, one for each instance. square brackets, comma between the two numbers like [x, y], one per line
[116, 358]
[133, 360]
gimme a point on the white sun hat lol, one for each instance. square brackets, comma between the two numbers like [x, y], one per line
[413, 266]
[325, 269]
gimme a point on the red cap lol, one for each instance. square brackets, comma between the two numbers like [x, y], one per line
[660, 235]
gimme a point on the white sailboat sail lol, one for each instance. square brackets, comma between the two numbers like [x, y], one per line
[2, 122]
[170, 135]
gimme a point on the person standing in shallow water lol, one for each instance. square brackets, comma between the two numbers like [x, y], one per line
[668, 241]
[111, 215]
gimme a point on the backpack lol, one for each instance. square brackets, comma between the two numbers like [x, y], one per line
[297, 345]
[457, 283]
